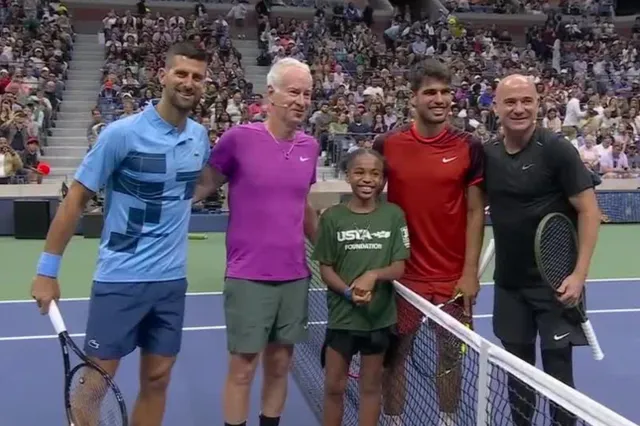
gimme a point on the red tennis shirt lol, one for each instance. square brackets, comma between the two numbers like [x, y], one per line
[428, 179]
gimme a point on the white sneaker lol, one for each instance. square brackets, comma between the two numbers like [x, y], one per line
[447, 419]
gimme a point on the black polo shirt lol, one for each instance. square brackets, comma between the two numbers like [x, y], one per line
[524, 187]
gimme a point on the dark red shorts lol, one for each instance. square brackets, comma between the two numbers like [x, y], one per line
[409, 317]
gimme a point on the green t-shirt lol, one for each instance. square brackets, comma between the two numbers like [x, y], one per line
[354, 243]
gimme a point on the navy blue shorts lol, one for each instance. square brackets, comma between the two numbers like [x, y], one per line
[123, 316]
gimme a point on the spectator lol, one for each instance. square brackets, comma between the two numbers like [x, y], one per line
[589, 154]
[552, 121]
[614, 164]
[31, 160]
[604, 148]
[18, 129]
[239, 13]
[10, 163]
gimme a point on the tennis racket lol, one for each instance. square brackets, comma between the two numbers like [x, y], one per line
[91, 397]
[450, 351]
[556, 251]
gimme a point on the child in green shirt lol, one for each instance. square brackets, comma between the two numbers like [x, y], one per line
[362, 245]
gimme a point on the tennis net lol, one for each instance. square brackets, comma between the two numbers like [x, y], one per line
[483, 397]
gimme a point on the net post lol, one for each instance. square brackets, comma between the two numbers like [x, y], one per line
[484, 373]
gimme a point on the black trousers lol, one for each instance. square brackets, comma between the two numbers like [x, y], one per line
[524, 406]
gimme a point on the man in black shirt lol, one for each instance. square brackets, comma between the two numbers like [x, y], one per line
[530, 173]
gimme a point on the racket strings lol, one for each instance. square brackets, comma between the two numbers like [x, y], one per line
[93, 401]
[557, 251]
[445, 357]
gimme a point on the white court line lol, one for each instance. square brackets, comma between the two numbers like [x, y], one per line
[592, 281]
[219, 293]
[591, 312]
[55, 336]
[222, 327]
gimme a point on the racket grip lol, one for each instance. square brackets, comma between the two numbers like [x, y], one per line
[486, 257]
[56, 318]
[587, 328]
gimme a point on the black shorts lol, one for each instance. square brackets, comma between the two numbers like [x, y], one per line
[349, 343]
[520, 314]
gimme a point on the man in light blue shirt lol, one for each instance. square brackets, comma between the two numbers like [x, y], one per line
[147, 165]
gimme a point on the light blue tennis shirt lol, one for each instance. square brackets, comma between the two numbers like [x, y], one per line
[148, 169]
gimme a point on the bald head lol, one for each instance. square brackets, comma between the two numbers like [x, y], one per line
[516, 103]
[515, 83]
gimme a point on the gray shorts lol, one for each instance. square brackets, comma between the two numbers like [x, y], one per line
[262, 312]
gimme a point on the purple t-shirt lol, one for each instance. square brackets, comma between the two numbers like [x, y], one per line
[267, 199]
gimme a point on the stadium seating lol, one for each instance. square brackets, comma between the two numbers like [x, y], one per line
[129, 79]
[361, 87]
[33, 72]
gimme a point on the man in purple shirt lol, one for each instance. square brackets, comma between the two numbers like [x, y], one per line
[270, 168]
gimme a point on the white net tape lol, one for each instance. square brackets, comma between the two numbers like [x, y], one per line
[495, 364]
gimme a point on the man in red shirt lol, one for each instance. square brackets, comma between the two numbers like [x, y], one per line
[434, 174]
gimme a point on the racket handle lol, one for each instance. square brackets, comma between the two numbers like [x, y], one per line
[587, 328]
[56, 318]
[486, 257]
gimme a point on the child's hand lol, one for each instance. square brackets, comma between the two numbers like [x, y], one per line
[360, 297]
[365, 282]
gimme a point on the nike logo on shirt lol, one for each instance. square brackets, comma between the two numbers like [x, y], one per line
[448, 160]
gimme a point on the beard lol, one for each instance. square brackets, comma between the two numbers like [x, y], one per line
[184, 104]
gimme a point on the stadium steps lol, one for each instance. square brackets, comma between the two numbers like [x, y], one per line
[66, 151]
[68, 143]
[324, 173]
[258, 76]
[252, 72]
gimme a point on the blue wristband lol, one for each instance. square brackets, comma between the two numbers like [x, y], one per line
[49, 265]
[348, 293]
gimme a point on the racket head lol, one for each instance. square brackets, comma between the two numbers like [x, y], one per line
[91, 396]
[455, 308]
[436, 352]
[556, 249]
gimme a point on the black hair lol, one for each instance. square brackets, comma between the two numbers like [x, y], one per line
[187, 49]
[429, 68]
[351, 158]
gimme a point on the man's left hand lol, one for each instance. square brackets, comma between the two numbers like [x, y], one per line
[570, 290]
[469, 286]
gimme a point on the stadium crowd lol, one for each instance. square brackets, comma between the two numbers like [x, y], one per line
[36, 44]
[588, 78]
[565, 7]
[587, 75]
[133, 55]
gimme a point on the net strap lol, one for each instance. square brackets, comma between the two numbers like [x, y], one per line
[491, 356]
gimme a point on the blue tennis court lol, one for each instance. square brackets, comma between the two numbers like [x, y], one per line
[33, 370]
